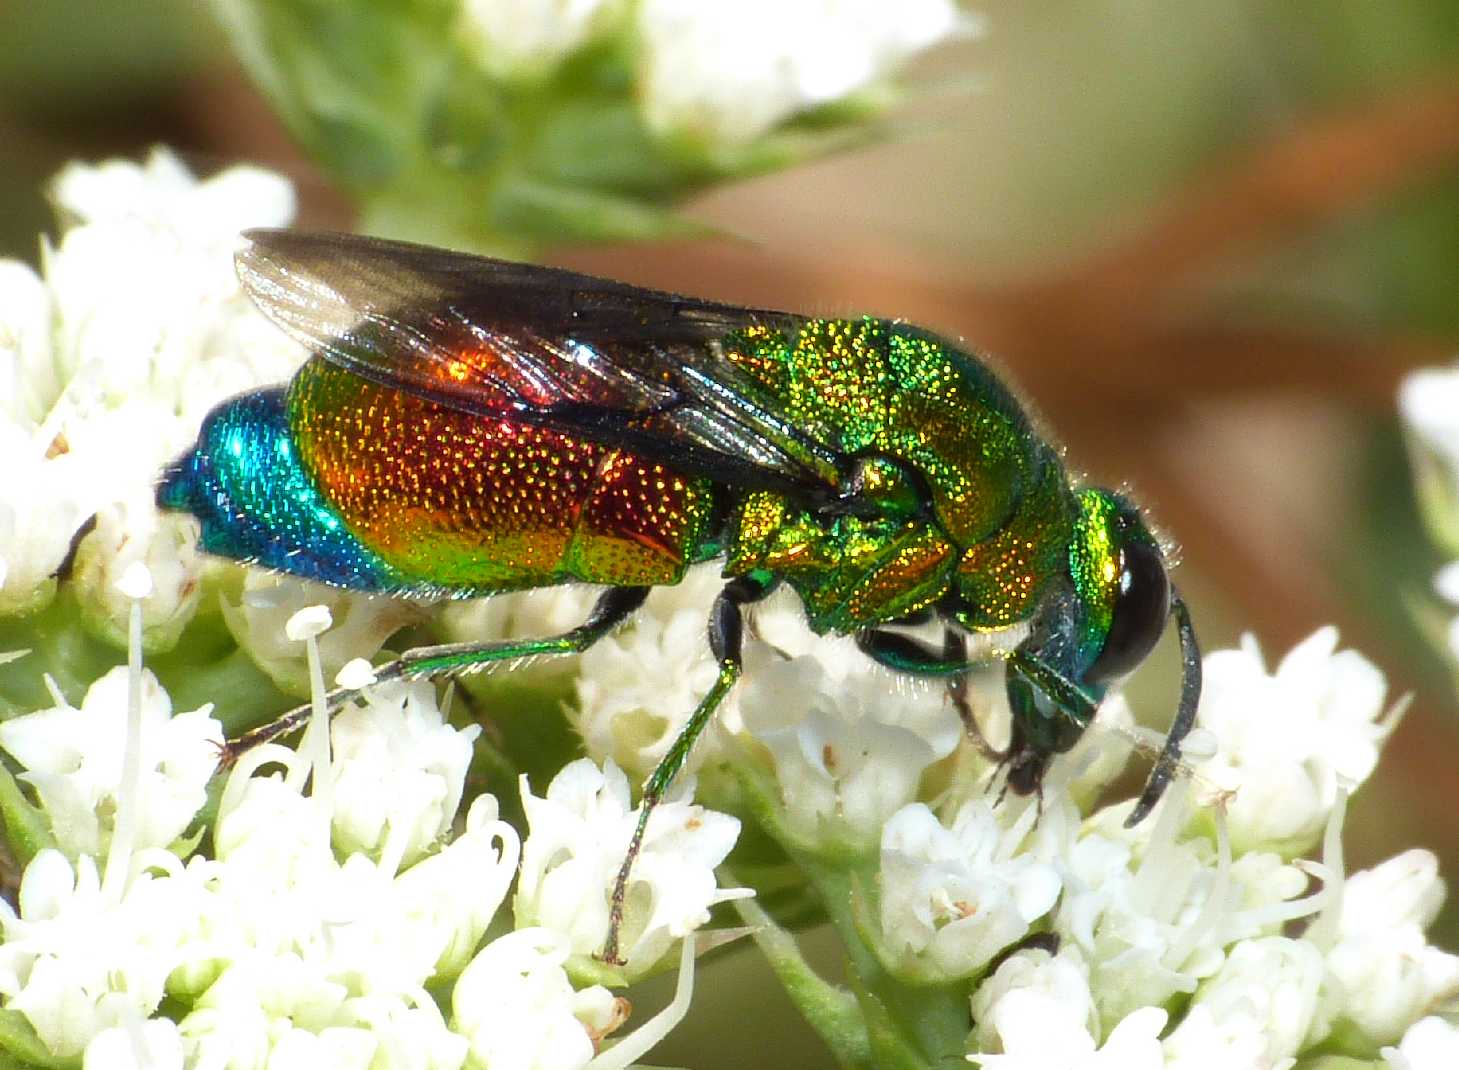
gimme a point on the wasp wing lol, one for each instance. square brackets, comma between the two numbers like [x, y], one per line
[609, 361]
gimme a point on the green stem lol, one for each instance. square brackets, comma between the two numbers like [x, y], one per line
[831, 1010]
[907, 1025]
[915, 1026]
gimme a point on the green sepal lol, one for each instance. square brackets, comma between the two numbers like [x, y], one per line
[37, 601]
[21, 1047]
[185, 845]
[27, 828]
[59, 648]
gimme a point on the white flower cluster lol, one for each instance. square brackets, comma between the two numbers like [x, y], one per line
[849, 737]
[1200, 907]
[324, 925]
[723, 73]
[109, 359]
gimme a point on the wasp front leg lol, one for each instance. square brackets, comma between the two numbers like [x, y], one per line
[901, 653]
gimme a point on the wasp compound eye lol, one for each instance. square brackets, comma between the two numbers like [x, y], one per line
[1141, 605]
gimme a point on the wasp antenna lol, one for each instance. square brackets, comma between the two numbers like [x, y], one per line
[1185, 714]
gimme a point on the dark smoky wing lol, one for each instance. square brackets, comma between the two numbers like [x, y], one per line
[542, 345]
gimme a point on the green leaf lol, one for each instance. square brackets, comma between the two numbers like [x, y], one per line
[27, 829]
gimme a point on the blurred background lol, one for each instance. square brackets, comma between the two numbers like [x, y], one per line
[1206, 240]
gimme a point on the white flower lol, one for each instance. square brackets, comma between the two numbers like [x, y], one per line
[150, 330]
[1127, 918]
[132, 532]
[401, 770]
[457, 890]
[1153, 911]
[288, 953]
[28, 381]
[152, 320]
[1290, 738]
[44, 498]
[1429, 1044]
[812, 700]
[74, 961]
[1386, 974]
[580, 831]
[144, 282]
[952, 898]
[154, 1044]
[340, 952]
[74, 759]
[850, 740]
[361, 624]
[1428, 401]
[1063, 977]
[517, 1009]
[524, 38]
[729, 72]
[1035, 1014]
[39, 506]
[1257, 1010]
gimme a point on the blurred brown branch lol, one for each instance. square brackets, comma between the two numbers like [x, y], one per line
[1302, 178]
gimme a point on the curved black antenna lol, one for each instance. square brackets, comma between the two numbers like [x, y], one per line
[1185, 714]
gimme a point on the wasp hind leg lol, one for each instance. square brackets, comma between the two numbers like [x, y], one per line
[613, 607]
[726, 638]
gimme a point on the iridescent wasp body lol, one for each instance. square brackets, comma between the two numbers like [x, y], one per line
[467, 426]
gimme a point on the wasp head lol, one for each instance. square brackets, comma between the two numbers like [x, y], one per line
[1107, 619]
[1120, 584]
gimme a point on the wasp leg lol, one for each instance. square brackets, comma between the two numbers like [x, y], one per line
[955, 647]
[1045, 941]
[904, 654]
[726, 637]
[613, 607]
[1076, 704]
[1030, 751]
[1185, 716]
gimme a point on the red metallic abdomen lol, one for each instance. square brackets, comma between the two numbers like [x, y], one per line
[476, 504]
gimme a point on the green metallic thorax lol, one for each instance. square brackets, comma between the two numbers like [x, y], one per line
[927, 421]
